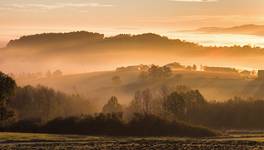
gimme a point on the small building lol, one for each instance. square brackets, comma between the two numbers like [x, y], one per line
[260, 74]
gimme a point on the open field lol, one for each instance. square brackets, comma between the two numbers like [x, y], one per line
[49, 141]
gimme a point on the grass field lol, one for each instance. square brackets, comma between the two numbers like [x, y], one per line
[25, 141]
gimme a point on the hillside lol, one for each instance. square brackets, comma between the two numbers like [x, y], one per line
[80, 51]
[213, 85]
[83, 39]
[249, 29]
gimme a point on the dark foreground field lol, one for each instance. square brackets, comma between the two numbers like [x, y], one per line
[70, 142]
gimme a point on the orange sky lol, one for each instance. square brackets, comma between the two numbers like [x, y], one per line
[19, 17]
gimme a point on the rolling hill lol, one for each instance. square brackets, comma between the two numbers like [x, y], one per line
[99, 85]
[83, 51]
[249, 29]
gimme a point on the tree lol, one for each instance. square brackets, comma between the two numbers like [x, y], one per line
[178, 78]
[48, 74]
[143, 75]
[57, 73]
[189, 68]
[116, 80]
[194, 67]
[175, 104]
[136, 104]
[156, 72]
[142, 102]
[112, 106]
[167, 72]
[45, 104]
[194, 97]
[146, 101]
[7, 88]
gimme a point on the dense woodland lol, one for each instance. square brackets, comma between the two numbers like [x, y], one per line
[47, 104]
[177, 110]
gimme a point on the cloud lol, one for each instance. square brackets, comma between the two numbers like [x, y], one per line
[199, 1]
[55, 6]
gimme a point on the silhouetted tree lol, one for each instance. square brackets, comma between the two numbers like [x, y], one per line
[57, 73]
[142, 102]
[175, 104]
[136, 104]
[189, 68]
[156, 73]
[112, 106]
[146, 101]
[194, 67]
[45, 103]
[7, 88]
[48, 74]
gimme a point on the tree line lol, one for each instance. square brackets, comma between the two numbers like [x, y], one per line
[183, 104]
[46, 104]
[44, 110]
[41, 109]
[39, 103]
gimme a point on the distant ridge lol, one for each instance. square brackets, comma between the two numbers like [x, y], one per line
[83, 42]
[249, 29]
[83, 50]
[82, 37]
[55, 38]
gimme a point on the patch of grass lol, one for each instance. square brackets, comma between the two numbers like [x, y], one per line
[14, 136]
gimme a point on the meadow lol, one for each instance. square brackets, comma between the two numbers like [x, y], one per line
[53, 141]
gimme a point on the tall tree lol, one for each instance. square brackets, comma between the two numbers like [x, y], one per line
[175, 104]
[7, 88]
[112, 106]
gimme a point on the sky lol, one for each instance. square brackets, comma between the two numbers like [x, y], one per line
[22, 17]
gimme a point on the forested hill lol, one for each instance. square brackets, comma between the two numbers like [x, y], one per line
[89, 39]
[82, 42]
[80, 51]
[55, 38]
